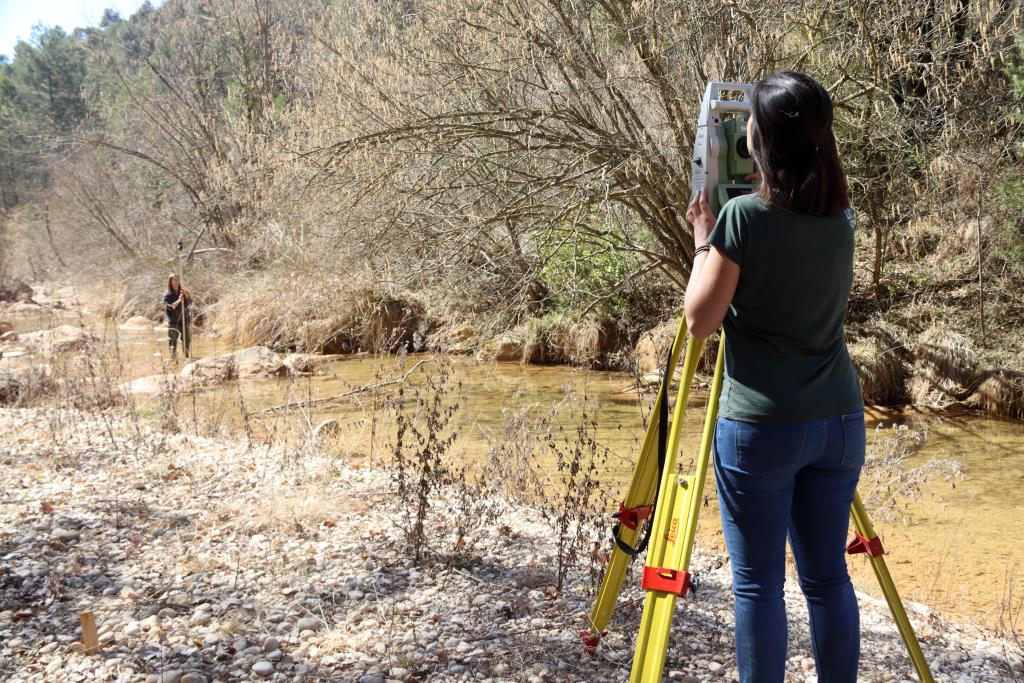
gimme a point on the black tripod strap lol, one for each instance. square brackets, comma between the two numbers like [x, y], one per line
[666, 384]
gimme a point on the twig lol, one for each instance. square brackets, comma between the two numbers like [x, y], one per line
[350, 392]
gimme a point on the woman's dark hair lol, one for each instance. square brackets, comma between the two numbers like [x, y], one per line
[170, 287]
[794, 146]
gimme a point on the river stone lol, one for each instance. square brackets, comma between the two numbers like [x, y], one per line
[652, 347]
[193, 677]
[504, 347]
[308, 624]
[255, 361]
[263, 668]
[58, 340]
[456, 339]
[304, 363]
[201, 618]
[6, 327]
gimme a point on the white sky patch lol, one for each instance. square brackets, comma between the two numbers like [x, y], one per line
[17, 17]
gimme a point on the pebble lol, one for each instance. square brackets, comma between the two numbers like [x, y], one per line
[201, 618]
[238, 603]
[263, 668]
[308, 624]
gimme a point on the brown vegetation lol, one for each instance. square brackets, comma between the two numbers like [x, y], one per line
[322, 317]
[947, 371]
[366, 175]
[880, 361]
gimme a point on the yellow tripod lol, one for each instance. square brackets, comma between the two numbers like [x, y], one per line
[674, 502]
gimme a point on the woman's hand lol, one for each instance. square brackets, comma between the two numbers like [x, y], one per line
[700, 217]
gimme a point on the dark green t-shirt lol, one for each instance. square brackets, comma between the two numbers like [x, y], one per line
[785, 356]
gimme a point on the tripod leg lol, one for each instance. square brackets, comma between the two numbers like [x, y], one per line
[636, 505]
[867, 541]
[666, 573]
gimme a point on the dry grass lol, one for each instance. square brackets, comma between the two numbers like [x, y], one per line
[948, 371]
[945, 368]
[1001, 393]
[920, 237]
[286, 314]
[593, 341]
[125, 301]
[882, 372]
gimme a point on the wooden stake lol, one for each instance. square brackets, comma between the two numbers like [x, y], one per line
[90, 641]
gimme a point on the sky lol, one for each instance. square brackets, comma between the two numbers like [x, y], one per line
[17, 17]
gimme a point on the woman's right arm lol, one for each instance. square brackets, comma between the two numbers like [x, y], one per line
[713, 278]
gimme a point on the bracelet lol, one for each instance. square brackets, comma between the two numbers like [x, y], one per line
[704, 248]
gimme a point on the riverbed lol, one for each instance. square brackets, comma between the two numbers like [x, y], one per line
[953, 546]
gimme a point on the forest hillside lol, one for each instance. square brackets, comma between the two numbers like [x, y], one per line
[510, 177]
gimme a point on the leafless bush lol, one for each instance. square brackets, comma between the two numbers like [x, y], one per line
[425, 469]
[578, 499]
[583, 133]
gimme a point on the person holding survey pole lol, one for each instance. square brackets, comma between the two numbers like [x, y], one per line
[176, 306]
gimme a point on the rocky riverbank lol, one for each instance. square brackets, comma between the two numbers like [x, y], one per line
[929, 368]
[207, 559]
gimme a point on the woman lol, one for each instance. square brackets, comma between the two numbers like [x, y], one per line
[775, 270]
[176, 304]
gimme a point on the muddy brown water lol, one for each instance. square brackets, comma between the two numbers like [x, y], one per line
[954, 548]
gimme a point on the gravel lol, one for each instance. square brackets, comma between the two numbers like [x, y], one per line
[204, 560]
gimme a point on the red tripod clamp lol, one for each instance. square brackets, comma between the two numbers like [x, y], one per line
[666, 580]
[631, 517]
[860, 544]
[591, 641]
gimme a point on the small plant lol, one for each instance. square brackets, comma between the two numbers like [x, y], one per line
[578, 496]
[421, 465]
[1011, 627]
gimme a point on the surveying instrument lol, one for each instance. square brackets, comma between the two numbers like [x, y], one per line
[659, 513]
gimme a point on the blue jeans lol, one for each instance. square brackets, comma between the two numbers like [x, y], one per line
[795, 477]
